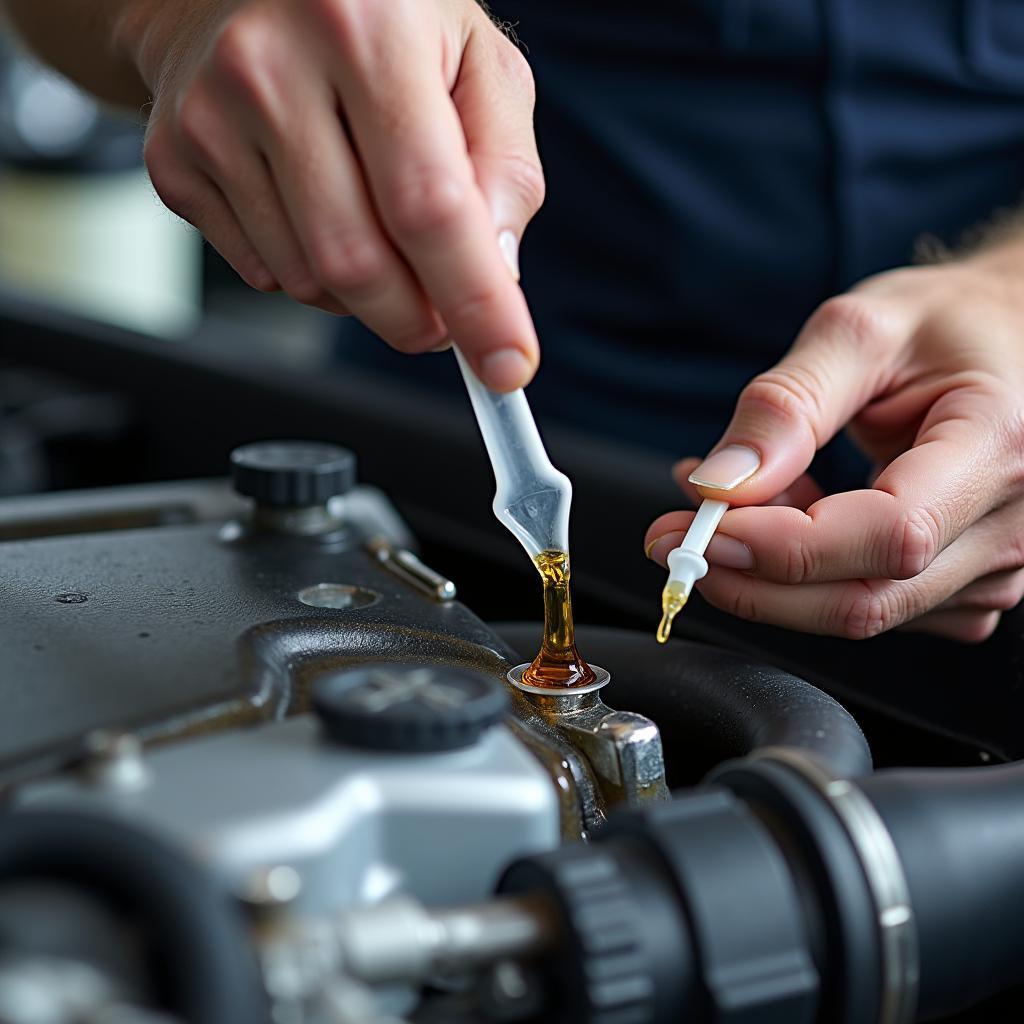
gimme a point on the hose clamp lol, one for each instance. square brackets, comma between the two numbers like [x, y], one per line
[886, 879]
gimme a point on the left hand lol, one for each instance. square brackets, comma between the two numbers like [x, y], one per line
[925, 367]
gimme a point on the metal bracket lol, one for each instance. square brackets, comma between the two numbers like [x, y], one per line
[622, 749]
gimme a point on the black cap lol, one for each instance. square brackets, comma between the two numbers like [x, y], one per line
[408, 707]
[618, 936]
[292, 474]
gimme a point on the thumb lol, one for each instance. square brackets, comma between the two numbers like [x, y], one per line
[839, 362]
[494, 96]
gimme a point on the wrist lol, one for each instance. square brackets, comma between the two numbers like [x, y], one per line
[131, 28]
[150, 34]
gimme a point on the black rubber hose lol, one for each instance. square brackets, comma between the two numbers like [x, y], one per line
[960, 835]
[712, 705]
[201, 960]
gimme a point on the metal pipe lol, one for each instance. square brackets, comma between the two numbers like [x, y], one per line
[401, 940]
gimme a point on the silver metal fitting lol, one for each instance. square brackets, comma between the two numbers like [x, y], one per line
[623, 749]
[401, 562]
[880, 860]
[397, 942]
[515, 677]
[401, 940]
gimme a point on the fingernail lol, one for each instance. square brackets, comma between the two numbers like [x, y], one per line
[730, 553]
[443, 347]
[658, 549]
[505, 370]
[727, 468]
[509, 245]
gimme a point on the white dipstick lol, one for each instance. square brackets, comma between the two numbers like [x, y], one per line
[686, 563]
[532, 498]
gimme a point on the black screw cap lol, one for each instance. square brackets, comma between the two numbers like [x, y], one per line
[407, 707]
[292, 474]
[617, 935]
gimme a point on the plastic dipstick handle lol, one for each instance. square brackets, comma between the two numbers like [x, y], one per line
[531, 498]
[686, 563]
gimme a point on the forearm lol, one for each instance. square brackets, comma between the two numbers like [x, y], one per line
[93, 42]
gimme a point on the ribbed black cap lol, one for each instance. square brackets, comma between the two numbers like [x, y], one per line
[605, 972]
[408, 707]
[292, 474]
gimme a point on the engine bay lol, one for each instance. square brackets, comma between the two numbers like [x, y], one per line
[260, 762]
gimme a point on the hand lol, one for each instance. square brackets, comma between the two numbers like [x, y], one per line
[373, 158]
[926, 367]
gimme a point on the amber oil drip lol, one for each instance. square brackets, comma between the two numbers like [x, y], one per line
[673, 598]
[558, 664]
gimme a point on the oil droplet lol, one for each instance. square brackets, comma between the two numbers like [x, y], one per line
[673, 600]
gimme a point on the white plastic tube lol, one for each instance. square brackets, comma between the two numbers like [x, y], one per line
[532, 498]
[686, 563]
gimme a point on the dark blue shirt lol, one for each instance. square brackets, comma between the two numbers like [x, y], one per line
[718, 168]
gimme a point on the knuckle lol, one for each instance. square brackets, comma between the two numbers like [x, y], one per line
[240, 45]
[244, 56]
[158, 148]
[745, 606]
[800, 562]
[789, 394]
[868, 613]
[417, 337]
[737, 601]
[915, 540]
[525, 177]
[259, 279]
[353, 267]
[472, 307]
[427, 200]
[346, 22]
[858, 319]
[254, 272]
[175, 190]
[197, 123]
[305, 289]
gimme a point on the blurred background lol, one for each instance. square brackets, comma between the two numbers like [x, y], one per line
[82, 228]
[82, 232]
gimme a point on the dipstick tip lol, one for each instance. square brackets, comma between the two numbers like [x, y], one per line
[673, 599]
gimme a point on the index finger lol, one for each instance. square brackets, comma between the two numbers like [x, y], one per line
[414, 155]
[956, 473]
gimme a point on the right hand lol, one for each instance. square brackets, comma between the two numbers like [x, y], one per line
[368, 158]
